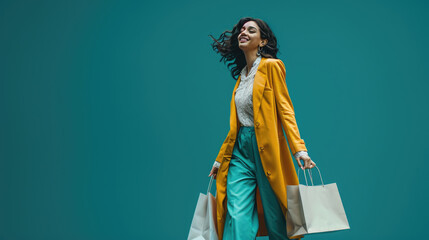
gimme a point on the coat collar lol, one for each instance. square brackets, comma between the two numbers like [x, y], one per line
[258, 90]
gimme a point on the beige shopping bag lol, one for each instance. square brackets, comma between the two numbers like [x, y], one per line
[203, 226]
[314, 209]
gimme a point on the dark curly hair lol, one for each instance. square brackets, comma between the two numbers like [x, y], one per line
[227, 45]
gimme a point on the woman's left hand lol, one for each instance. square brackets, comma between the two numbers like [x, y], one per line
[308, 163]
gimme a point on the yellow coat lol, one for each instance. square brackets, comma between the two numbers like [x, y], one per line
[272, 109]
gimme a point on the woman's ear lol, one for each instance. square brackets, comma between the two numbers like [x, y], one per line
[264, 42]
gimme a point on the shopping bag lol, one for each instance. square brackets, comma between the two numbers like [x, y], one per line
[203, 226]
[314, 209]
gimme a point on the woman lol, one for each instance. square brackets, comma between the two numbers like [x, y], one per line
[254, 164]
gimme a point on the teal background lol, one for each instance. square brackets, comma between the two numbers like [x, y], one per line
[112, 112]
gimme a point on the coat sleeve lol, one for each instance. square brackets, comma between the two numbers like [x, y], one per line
[219, 157]
[284, 106]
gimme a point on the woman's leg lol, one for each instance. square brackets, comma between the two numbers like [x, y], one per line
[273, 214]
[241, 222]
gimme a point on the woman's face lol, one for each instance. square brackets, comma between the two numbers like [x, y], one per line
[249, 37]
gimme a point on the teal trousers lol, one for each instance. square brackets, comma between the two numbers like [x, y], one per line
[244, 174]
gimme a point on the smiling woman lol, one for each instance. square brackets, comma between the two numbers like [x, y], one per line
[231, 49]
[254, 164]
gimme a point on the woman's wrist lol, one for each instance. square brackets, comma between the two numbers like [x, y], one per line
[300, 153]
[216, 164]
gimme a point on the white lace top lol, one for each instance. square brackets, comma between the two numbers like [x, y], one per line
[243, 95]
[243, 100]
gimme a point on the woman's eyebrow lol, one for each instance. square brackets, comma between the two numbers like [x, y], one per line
[249, 27]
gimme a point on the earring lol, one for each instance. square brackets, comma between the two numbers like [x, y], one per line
[259, 51]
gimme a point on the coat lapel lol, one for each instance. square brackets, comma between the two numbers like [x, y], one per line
[234, 122]
[258, 87]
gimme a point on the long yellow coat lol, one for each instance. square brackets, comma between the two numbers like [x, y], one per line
[272, 109]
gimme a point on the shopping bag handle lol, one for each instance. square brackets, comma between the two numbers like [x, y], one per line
[210, 185]
[311, 178]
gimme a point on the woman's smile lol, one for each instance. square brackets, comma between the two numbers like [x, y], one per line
[243, 40]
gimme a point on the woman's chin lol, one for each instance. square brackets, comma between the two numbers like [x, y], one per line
[243, 46]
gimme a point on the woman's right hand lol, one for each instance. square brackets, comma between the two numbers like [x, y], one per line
[308, 163]
[213, 172]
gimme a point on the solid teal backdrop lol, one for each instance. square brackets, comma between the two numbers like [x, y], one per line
[112, 112]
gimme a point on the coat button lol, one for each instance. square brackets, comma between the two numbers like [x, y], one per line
[268, 173]
[257, 124]
[262, 149]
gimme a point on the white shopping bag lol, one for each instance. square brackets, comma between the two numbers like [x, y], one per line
[203, 225]
[314, 209]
